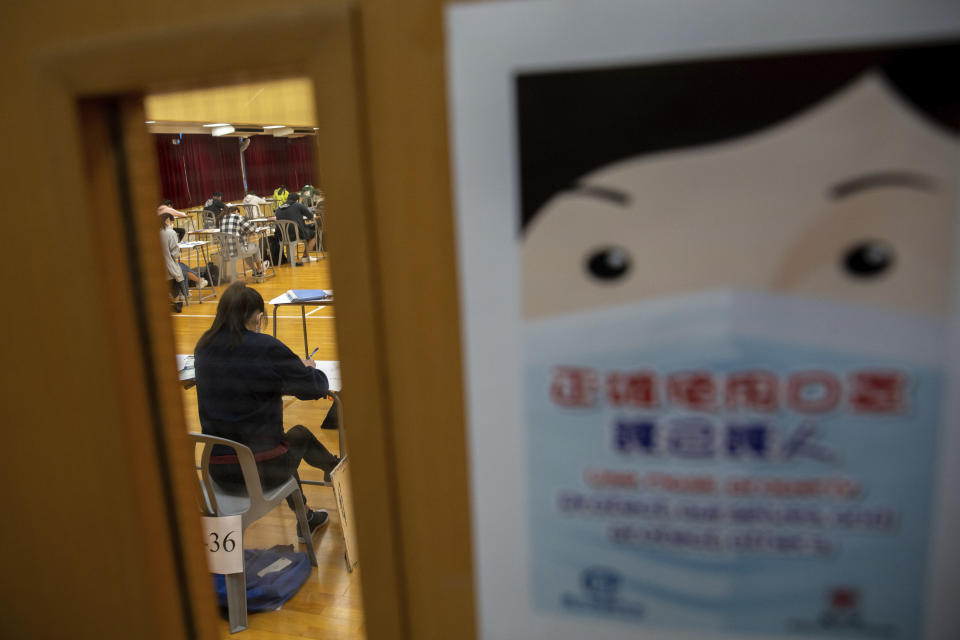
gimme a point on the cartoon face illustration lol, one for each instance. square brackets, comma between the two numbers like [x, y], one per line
[853, 199]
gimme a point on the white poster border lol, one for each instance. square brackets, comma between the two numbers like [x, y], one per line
[487, 44]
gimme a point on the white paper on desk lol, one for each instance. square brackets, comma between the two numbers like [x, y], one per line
[185, 367]
[331, 368]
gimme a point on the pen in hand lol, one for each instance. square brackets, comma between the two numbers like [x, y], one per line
[307, 362]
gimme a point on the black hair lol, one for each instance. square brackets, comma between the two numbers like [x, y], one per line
[237, 305]
[573, 122]
[224, 212]
[164, 217]
[169, 203]
[217, 194]
[293, 196]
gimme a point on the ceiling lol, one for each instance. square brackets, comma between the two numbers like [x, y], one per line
[247, 107]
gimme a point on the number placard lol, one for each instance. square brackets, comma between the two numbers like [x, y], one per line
[223, 539]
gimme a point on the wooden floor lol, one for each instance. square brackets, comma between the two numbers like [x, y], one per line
[329, 605]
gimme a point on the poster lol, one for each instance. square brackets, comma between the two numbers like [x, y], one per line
[708, 270]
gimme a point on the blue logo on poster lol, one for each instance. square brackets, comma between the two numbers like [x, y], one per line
[600, 586]
[600, 583]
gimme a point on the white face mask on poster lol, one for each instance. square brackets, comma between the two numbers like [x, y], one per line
[697, 455]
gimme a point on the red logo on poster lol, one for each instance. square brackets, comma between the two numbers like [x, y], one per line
[844, 598]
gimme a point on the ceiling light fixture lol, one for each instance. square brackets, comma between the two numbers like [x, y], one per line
[150, 122]
[218, 124]
[274, 126]
[222, 131]
[282, 133]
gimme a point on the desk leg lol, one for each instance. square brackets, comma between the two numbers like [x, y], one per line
[342, 453]
[341, 441]
[204, 257]
[306, 347]
[274, 321]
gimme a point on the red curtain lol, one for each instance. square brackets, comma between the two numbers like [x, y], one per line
[272, 162]
[193, 166]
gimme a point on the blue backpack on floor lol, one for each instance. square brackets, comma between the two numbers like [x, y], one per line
[273, 576]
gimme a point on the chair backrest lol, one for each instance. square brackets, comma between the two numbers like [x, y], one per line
[248, 466]
[208, 219]
[250, 209]
[289, 231]
[228, 243]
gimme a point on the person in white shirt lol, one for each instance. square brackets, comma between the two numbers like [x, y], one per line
[254, 199]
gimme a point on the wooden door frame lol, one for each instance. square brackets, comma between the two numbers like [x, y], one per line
[413, 584]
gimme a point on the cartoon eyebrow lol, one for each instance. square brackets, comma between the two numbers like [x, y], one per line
[604, 193]
[904, 179]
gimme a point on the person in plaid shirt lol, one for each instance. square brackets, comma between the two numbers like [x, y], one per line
[235, 224]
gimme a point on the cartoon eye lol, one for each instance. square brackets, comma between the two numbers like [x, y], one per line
[608, 263]
[868, 259]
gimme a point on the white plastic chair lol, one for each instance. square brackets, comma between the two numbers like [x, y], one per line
[289, 238]
[229, 252]
[318, 248]
[250, 506]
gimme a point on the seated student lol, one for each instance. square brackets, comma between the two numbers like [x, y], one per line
[280, 194]
[295, 212]
[254, 199]
[167, 207]
[241, 376]
[180, 273]
[215, 204]
[306, 195]
[233, 223]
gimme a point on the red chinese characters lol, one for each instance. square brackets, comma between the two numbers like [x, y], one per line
[809, 392]
[574, 387]
[877, 391]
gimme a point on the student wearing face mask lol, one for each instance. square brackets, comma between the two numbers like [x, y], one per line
[178, 273]
[241, 376]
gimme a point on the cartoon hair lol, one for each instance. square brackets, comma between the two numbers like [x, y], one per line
[571, 123]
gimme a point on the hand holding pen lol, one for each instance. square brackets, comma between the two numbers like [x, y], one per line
[308, 361]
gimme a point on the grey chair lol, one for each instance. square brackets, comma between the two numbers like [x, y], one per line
[228, 247]
[250, 210]
[208, 219]
[318, 248]
[250, 506]
[289, 239]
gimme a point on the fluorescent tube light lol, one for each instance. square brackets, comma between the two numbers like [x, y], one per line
[274, 126]
[218, 124]
[282, 133]
[150, 122]
[222, 131]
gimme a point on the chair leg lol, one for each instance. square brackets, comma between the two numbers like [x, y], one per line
[237, 600]
[301, 510]
[230, 267]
